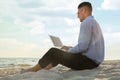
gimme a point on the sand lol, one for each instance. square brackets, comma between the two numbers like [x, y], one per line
[108, 70]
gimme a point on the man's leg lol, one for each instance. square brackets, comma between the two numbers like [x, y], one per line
[32, 69]
[48, 67]
[37, 68]
[46, 62]
[76, 61]
[56, 56]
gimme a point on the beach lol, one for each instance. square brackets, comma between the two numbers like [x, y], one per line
[108, 70]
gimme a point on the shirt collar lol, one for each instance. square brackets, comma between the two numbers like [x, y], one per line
[89, 17]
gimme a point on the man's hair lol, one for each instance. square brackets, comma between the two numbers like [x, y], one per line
[87, 4]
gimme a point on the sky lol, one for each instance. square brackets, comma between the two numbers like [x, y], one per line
[26, 24]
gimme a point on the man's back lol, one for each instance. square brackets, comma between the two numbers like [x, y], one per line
[96, 47]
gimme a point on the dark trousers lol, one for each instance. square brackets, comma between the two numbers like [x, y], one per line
[75, 61]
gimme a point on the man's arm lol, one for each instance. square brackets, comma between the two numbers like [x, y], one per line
[84, 38]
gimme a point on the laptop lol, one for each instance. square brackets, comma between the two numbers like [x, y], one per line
[56, 41]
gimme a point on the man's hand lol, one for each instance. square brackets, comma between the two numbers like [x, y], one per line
[66, 48]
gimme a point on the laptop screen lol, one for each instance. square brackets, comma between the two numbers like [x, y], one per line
[56, 41]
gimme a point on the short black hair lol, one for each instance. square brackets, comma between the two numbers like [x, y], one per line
[88, 4]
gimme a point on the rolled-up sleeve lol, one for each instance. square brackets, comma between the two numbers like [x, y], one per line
[84, 38]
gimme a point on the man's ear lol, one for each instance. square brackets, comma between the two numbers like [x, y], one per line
[84, 9]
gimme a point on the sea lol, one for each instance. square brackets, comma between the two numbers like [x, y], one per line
[17, 62]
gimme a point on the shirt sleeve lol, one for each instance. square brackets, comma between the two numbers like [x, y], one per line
[84, 38]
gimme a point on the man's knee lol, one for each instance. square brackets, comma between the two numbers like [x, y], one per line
[53, 49]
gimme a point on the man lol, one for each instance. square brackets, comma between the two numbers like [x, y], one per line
[87, 54]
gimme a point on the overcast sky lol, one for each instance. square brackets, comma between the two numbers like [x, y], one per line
[25, 25]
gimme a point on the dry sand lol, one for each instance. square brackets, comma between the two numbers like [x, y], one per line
[108, 70]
